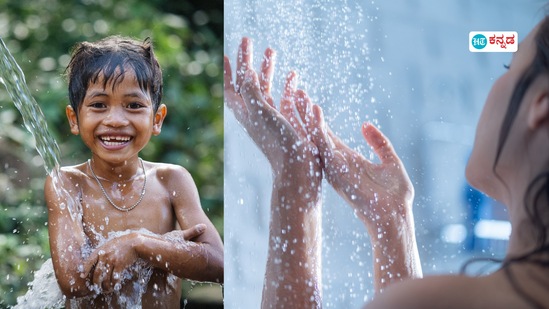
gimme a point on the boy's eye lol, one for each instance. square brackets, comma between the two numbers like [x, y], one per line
[135, 105]
[506, 66]
[97, 105]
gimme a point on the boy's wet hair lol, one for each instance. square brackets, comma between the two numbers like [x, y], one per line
[110, 58]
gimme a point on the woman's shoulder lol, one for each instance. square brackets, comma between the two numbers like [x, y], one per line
[449, 291]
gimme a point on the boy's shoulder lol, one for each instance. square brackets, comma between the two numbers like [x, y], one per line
[165, 169]
[174, 179]
[168, 173]
[74, 173]
[70, 178]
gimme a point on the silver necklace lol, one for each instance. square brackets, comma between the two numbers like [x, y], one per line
[107, 196]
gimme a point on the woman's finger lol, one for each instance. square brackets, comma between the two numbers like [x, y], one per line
[266, 78]
[381, 144]
[288, 102]
[305, 110]
[320, 137]
[228, 84]
[244, 61]
[251, 92]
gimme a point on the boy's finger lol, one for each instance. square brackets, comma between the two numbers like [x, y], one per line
[98, 274]
[88, 265]
[194, 231]
[244, 61]
[117, 278]
[108, 284]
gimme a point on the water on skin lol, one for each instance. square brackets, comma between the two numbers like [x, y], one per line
[325, 43]
[43, 290]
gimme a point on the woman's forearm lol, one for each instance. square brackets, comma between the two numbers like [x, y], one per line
[293, 273]
[395, 252]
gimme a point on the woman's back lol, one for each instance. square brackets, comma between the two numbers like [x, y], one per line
[450, 291]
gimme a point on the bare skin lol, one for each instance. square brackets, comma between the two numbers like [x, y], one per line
[182, 240]
[382, 195]
[294, 232]
[522, 158]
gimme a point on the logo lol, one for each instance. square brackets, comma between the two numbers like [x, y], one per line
[493, 41]
[479, 41]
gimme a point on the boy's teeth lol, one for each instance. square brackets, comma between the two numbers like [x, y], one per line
[114, 140]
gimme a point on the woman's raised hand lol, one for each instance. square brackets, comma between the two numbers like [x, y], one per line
[280, 134]
[377, 192]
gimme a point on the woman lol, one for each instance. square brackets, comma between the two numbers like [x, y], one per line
[509, 162]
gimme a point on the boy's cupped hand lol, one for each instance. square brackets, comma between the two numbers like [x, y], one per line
[106, 263]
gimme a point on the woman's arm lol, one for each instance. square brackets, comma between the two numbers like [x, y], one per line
[293, 275]
[381, 196]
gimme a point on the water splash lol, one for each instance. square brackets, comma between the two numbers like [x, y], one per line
[43, 291]
[13, 79]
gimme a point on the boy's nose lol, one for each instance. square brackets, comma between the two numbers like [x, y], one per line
[116, 117]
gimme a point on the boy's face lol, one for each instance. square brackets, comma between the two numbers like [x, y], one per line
[116, 121]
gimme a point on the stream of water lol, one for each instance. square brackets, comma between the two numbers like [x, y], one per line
[43, 291]
[13, 78]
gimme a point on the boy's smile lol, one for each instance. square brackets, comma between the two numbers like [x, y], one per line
[116, 119]
[115, 142]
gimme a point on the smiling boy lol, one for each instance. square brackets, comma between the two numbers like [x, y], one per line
[160, 231]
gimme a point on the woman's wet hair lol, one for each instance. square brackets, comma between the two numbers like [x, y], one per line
[540, 184]
[538, 188]
[108, 60]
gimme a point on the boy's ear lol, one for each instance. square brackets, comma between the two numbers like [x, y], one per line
[73, 120]
[159, 119]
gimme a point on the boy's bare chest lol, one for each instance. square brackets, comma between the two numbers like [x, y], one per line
[153, 211]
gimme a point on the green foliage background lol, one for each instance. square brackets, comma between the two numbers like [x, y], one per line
[187, 36]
